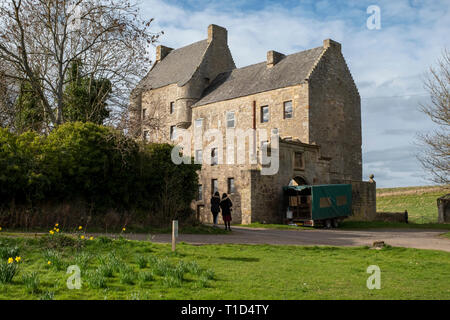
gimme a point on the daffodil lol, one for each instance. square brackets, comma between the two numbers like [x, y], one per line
[0, 228]
[91, 238]
[80, 228]
[10, 260]
[18, 259]
[52, 232]
[57, 225]
[82, 237]
[49, 262]
[57, 230]
[124, 229]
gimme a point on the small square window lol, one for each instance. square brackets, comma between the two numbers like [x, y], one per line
[231, 123]
[288, 110]
[265, 116]
[172, 107]
[231, 187]
[173, 133]
[214, 186]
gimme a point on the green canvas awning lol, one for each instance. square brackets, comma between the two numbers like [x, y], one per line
[328, 201]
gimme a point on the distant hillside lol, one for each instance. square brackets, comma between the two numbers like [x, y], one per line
[419, 201]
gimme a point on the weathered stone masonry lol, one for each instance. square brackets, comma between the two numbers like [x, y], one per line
[201, 82]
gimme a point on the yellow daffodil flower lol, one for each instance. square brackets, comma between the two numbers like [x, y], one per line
[52, 232]
[18, 259]
[82, 237]
[80, 228]
[10, 260]
[57, 225]
[91, 238]
[49, 262]
[124, 229]
[57, 230]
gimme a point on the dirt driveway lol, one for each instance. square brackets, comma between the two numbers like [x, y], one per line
[409, 238]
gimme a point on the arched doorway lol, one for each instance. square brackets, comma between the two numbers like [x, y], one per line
[301, 181]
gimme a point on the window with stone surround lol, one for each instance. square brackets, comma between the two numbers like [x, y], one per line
[231, 187]
[299, 161]
[173, 133]
[288, 110]
[214, 157]
[199, 156]
[265, 115]
[200, 193]
[231, 121]
[172, 107]
[214, 186]
[144, 114]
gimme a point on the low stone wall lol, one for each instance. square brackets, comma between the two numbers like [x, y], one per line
[364, 207]
[391, 217]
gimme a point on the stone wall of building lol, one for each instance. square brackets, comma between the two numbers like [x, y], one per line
[335, 114]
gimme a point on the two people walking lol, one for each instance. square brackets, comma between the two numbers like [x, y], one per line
[225, 205]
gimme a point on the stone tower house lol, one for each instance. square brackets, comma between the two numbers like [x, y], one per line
[309, 98]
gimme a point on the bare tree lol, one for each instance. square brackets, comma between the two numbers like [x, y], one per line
[435, 155]
[8, 94]
[40, 39]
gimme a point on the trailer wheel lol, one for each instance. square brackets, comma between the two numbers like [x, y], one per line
[328, 224]
[335, 223]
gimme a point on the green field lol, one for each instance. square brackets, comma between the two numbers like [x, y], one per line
[122, 269]
[421, 202]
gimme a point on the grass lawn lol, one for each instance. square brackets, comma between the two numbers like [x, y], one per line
[421, 206]
[121, 269]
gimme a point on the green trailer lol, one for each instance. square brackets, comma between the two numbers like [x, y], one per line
[325, 205]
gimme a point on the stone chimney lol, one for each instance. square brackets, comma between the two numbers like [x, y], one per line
[328, 43]
[273, 58]
[217, 33]
[162, 52]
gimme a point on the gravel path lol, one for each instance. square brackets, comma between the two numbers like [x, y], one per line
[409, 238]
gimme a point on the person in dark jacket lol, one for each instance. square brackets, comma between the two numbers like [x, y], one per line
[215, 207]
[226, 206]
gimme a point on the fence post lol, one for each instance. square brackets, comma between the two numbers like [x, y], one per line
[174, 234]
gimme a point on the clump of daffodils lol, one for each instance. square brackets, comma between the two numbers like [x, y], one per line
[12, 260]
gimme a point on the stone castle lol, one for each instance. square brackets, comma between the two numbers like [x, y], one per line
[309, 98]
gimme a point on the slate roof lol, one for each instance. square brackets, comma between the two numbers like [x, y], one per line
[291, 70]
[177, 67]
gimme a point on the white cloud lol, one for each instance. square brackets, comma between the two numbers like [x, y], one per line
[387, 62]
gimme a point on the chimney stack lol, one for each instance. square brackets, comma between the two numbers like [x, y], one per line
[162, 52]
[217, 33]
[328, 43]
[273, 58]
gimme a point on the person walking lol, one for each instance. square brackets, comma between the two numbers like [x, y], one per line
[226, 206]
[215, 207]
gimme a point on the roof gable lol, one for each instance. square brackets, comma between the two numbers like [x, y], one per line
[177, 67]
[291, 70]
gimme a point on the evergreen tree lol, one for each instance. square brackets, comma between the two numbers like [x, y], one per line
[85, 97]
[29, 113]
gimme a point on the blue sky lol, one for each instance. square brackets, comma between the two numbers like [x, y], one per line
[388, 64]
